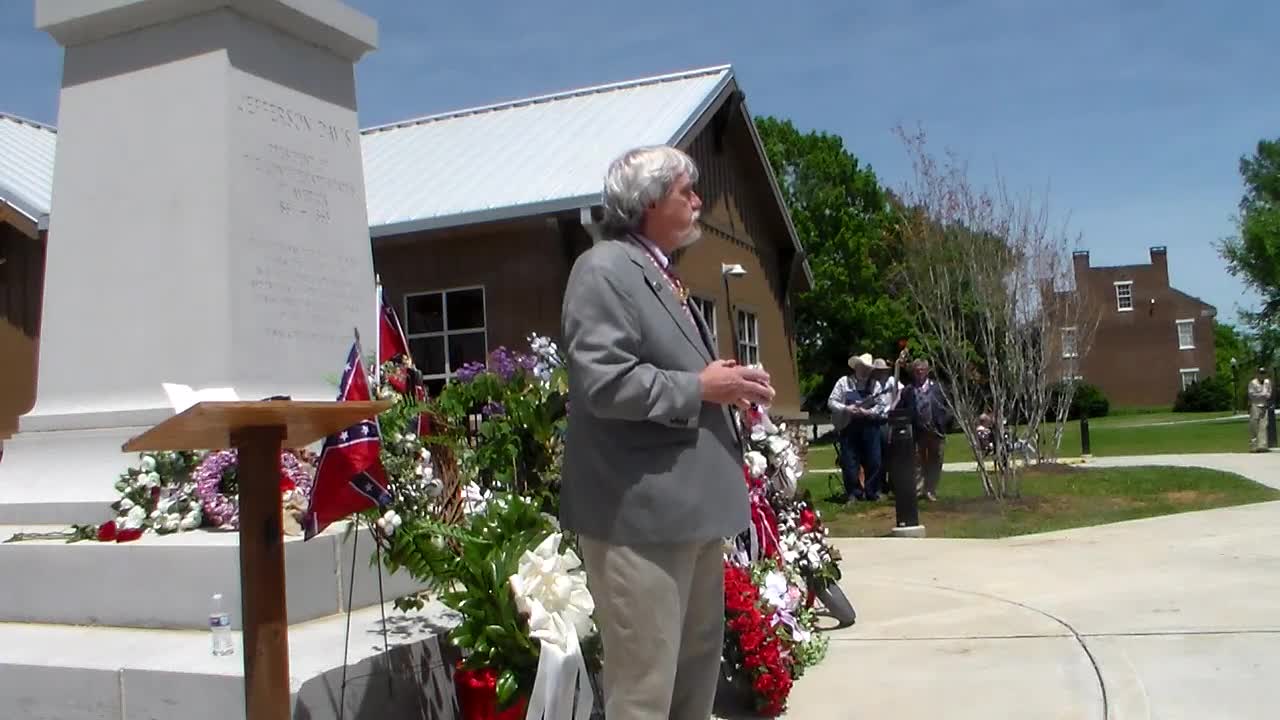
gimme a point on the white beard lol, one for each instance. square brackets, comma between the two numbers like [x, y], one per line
[692, 236]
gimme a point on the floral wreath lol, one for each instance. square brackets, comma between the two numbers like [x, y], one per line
[223, 509]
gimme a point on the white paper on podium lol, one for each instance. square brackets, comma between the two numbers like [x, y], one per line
[182, 397]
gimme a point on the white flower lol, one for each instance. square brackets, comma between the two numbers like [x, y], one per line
[758, 434]
[148, 464]
[552, 590]
[815, 555]
[473, 499]
[126, 505]
[135, 517]
[433, 487]
[190, 522]
[775, 589]
[756, 464]
[152, 479]
[390, 522]
[777, 444]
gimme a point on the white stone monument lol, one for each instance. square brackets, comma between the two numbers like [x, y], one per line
[208, 227]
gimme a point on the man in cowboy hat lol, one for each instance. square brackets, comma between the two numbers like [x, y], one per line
[859, 405]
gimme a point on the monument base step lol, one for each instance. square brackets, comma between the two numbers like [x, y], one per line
[66, 672]
[166, 581]
[63, 476]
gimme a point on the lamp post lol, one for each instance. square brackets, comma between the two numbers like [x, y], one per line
[1235, 384]
[728, 270]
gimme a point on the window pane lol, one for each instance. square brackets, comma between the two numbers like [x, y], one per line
[466, 309]
[424, 314]
[434, 387]
[465, 348]
[428, 354]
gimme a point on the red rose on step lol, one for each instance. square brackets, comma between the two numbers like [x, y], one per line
[128, 534]
[107, 531]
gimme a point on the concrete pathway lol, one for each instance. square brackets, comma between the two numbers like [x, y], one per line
[1171, 618]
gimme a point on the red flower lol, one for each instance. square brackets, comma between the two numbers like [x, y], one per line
[107, 531]
[128, 534]
[808, 519]
[758, 647]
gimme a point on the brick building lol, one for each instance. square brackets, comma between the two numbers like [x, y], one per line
[1151, 339]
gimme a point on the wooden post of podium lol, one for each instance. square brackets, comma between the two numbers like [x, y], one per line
[259, 431]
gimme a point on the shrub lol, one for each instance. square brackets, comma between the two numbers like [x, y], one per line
[1208, 395]
[1087, 399]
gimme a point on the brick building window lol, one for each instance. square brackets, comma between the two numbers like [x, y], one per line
[1189, 375]
[1186, 334]
[1124, 296]
[446, 330]
[748, 338]
[708, 310]
[1070, 348]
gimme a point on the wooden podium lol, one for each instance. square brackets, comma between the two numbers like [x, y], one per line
[258, 431]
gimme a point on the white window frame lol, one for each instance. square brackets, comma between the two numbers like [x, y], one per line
[1190, 323]
[704, 304]
[1182, 376]
[1070, 349]
[446, 332]
[1125, 284]
[748, 350]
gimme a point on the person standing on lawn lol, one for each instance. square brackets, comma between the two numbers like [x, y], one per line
[859, 407]
[652, 479]
[1259, 400]
[930, 418]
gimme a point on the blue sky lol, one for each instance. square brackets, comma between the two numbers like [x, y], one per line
[1134, 115]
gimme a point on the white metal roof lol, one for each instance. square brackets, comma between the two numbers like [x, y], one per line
[524, 157]
[26, 165]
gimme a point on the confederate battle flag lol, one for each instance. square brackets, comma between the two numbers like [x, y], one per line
[391, 340]
[350, 477]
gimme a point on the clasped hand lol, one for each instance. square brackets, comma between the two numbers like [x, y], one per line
[726, 382]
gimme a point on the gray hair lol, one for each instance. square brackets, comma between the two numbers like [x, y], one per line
[919, 363]
[637, 179]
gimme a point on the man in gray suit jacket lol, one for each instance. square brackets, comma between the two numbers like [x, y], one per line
[652, 479]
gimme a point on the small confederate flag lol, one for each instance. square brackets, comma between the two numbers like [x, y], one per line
[350, 477]
[391, 340]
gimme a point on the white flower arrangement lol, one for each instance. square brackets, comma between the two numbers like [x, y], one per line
[149, 501]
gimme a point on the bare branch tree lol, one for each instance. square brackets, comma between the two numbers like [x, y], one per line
[990, 281]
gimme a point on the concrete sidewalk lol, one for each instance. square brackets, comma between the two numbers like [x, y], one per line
[1169, 617]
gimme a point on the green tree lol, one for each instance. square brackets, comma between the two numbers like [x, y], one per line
[1254, 254]
[844, 219]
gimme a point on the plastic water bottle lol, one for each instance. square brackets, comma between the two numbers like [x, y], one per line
[220, 627]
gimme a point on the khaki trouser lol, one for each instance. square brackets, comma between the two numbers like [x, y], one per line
[1258, 427]
[928, 462]
[660, 610]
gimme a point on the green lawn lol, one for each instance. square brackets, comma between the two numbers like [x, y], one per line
[1114, 436]
[1053, 498]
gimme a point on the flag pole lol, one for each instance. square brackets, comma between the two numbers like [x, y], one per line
[377, 324]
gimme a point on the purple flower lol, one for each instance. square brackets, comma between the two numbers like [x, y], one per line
[491, 409]
[468, 372]
[503, 363]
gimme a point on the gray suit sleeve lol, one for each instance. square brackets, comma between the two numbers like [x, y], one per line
[602, 339]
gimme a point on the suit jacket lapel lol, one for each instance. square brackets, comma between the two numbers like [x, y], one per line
[662, 288]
